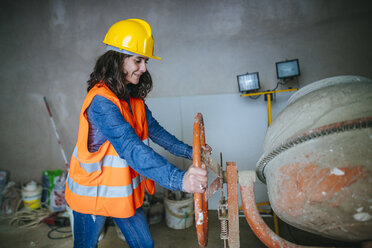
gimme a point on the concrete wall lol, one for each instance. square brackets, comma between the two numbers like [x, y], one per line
[48, 48]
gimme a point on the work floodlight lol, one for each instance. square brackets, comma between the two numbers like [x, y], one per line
[248, 82]
[287, 69]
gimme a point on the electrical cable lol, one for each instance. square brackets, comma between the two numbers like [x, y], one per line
[298, 83]
[280, 82]
[277, 85]
[29, 219]
[254, 97]
[58, 230]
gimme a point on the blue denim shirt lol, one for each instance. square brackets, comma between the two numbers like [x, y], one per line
[107, 123]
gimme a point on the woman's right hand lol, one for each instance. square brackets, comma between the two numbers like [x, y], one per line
[195, 180]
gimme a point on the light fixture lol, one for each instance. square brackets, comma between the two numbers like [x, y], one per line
[287, 69]
[248, 82]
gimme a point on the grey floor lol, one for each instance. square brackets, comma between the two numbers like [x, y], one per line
[164, 237]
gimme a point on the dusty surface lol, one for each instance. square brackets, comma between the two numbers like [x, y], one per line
[12, 237]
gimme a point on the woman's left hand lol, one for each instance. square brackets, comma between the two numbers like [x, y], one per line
[196, 179]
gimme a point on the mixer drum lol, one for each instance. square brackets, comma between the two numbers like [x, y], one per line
[317, 160]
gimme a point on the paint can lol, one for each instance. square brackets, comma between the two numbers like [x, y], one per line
[179, 214]
[31, 195]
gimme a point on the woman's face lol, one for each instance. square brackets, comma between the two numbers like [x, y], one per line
[134, 67]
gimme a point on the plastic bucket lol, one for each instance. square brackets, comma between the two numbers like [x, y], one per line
[31, 195]
[179, 214]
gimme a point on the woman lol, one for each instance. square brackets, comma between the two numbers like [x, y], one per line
[112, 157]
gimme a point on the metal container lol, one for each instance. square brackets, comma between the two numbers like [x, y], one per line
[317, 160]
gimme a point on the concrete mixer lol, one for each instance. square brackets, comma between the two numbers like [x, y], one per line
[316, 162]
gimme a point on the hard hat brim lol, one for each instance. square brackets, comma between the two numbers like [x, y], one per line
[127, 51]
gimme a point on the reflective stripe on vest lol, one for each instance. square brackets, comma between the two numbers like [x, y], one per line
[102, 190]
[108, 160]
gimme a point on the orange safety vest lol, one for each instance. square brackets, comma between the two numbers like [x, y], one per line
[102, 183]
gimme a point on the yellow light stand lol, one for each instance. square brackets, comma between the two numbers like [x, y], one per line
[268, 97]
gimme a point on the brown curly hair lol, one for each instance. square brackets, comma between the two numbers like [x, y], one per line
[109, 70]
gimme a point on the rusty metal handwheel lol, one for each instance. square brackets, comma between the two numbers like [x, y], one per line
[200, 202]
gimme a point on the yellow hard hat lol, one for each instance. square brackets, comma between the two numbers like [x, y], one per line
[132, 35]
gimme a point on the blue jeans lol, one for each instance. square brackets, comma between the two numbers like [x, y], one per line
[87, 229]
